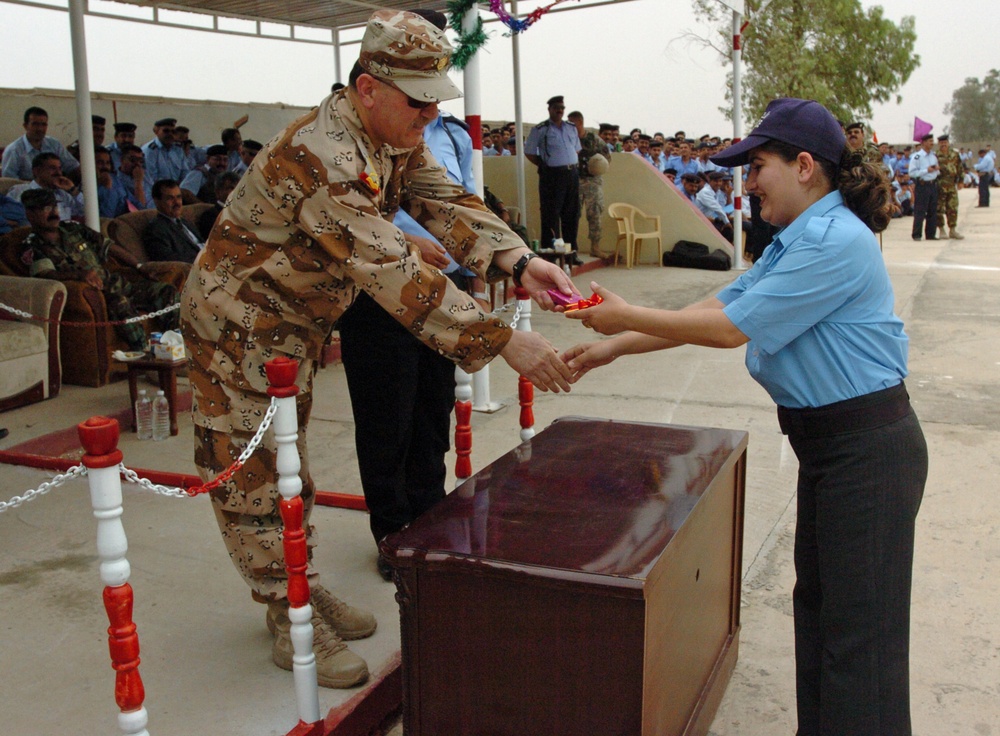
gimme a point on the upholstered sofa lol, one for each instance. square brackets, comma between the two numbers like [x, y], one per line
[29, 349]
[87, 347]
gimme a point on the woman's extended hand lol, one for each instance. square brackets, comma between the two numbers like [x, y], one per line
[609, 317]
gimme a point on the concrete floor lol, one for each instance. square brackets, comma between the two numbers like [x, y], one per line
[205, 650]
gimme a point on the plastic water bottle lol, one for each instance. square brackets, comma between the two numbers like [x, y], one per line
[161, 417]
[144, 416]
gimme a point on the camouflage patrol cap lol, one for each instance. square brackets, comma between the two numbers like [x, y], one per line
[410, 52]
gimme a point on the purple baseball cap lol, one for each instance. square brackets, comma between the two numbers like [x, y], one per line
[803, 123]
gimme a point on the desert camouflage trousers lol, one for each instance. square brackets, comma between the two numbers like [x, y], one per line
[947, 209]
[246, 506]
[592, 203]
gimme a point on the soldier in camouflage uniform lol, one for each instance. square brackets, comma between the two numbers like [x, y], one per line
[591, 185]
[69, 251]
[308, 227]
[952, 171]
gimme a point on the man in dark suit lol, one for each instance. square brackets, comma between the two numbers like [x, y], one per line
[167, 237]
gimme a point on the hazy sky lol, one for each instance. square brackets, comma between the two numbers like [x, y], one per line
[625, 64]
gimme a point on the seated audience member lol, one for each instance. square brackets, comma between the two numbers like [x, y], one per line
[605, 132]
[133, 179]
[490, 147]
[511, 145]
[124, 136]
[656, 155]
[167, 237]
[499, 209]
[683, 162]
[671, 174]
[194, 155]
[704, 165]
[99, 128]
[691, 184]
[707, 201]
[200, 183]
[233, 142]
[642, 147]
[902, 189]
[18, 158]
[69, 251]
[11, 214]
[164, 160]
[111, 200]
[248, 152]
[498, 142]
[46, 173]
[224, 186]
[628, 146]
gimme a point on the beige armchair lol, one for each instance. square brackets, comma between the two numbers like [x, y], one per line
[29, 349]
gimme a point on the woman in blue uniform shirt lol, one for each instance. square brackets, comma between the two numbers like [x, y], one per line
[816, 314]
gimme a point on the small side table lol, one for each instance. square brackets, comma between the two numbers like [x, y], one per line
[167, 371]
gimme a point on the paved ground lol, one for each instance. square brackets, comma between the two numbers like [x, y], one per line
[205, 649]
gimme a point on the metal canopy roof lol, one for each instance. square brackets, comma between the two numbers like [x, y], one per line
[316, 13]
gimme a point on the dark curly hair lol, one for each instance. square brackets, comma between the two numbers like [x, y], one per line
[863, 184]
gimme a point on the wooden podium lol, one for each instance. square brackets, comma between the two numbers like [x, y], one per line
[587, 583]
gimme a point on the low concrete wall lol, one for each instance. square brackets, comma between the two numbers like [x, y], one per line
[630, 179]
[205, 118]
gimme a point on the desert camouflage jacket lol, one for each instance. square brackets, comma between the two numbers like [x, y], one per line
[308, 226]
[950, 166]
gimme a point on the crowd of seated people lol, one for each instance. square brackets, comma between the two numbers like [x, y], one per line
[165, 173]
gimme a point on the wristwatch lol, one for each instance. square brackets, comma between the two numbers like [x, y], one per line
[522, 263]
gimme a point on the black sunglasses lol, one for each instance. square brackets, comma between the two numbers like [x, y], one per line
[415, 104]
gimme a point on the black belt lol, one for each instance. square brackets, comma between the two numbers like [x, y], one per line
[852, 415]
[921, 181]
[568, 167]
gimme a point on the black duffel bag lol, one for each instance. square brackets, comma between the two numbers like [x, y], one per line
[689, 254]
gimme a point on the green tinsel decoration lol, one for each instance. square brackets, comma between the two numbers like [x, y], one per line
[468, 43]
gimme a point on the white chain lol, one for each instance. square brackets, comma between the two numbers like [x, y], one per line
[44, 488]
[13, 310]
[152, 315]
[505, 307]
[138, 318]
[132, 477]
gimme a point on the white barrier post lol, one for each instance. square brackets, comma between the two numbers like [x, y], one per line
[525, 391]
[281, 374]
[99, 437]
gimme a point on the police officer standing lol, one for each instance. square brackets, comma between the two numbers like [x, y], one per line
[951, 169]
[591, 181]
[553, 146]
[924, 172]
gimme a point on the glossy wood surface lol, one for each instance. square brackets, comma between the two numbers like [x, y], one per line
[612, 494]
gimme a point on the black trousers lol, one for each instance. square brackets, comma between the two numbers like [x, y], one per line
[984, 189]
[858, 495]
[559, 199]
[402, 396]
[925, 200]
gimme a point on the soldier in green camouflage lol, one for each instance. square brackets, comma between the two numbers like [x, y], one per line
[952, 171]
[591, 184]
[69, 251]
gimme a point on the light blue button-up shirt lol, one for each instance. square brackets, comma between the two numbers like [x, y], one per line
[164, 163]
[70, 207]
[675, 162]
[556, 145]
[17, 157]
[920, 162]
[818, 309]
[452, 147]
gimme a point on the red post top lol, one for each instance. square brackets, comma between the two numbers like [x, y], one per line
[521, 293]
[99, 437]
[281, 375]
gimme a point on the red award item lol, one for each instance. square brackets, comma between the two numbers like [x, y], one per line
[561, 299]
[593, 301]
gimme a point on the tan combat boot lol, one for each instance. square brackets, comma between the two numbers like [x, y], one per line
[336, 665]
[955, 235]
[349, 622]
